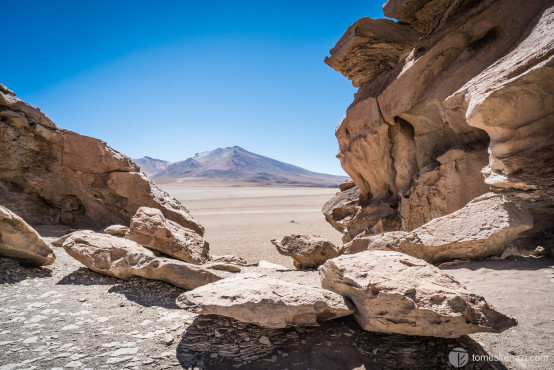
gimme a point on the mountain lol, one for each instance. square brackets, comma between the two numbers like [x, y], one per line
[236, 165]
[151, 166]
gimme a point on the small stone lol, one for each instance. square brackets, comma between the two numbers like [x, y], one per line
[82, 299]
[213, 355]
[167, 339]
[265, 340]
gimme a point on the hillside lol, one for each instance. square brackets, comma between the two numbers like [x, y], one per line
[235, 165]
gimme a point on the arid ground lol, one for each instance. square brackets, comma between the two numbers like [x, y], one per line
[242, 220]
[66, 316]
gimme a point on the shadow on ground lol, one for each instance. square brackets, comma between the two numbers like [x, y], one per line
[512, 263]
[215, 342]
[12, 272]
[145, 292]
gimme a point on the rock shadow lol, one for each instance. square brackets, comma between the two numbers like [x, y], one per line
[12, 272]
[215, 342]
[84, 276]
[512, 263]
[148, 293]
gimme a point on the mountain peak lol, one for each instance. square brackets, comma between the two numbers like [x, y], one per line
[237, 165]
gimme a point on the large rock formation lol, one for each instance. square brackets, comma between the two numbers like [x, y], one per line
[20, 241]
[469, 109]
[114, 256]
[307, 252]
[396, 293]
[266, 301]
[54, 176]
[151, 229]
[484, 227]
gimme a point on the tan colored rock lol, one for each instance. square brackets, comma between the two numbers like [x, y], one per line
[122, 258]
[473, 97]
[271, 266]
[54, 176]
[151, 229]
[20, 241]
[371, 47]
[379, 242]
[116, 230]
[396, 293]
[424, 15]
[307, 252]
[265, 301]
[482, 228]
[346, 185]
[228, 258]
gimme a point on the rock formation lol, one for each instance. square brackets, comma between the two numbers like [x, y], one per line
[122, 258]
[307, 252]
[396, 293]
[151, 229]
[265, 301]
[20, 241]
[484, 227]
[53, 176]
[466, 110]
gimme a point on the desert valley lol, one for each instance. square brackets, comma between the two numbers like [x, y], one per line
[435, 252]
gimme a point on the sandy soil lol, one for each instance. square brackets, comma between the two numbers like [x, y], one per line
[243, 220]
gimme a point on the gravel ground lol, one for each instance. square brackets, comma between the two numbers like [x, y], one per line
[66, 316]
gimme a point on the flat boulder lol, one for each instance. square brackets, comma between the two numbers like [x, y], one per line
[20, 241]
[122, 258]
[151, 229]
[306, 251]
[266, 301]
[396, 293]
[484, 227]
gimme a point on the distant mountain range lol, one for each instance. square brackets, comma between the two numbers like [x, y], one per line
[235, 165]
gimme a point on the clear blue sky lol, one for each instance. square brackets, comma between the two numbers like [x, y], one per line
[169, 79]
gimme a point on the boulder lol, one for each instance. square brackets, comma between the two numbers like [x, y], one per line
[228, 258]
[265, 301]
[54, 176]
[484, 227]
[396, 293]
[151, 229]
[307, 252]
[122, 258]
[271, 266]
[20, 241]
[371, 47]
[116, 230]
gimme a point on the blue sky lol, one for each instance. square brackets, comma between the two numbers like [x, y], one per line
[169, 79]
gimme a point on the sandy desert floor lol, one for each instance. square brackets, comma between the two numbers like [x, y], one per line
[242, 220]
[66, 316]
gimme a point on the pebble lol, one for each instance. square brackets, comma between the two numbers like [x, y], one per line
[167, 339]
[265, 340]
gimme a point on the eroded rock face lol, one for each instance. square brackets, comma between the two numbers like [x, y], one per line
[20, 241]
[371, 47]
[482, 228]
[151, 229]
[122, 258]
[306, 251]
[396, 293]
[265, 301]
[54, 176]
[465, 112]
